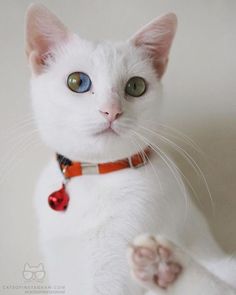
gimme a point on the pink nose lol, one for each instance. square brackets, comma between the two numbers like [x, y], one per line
[111, 113]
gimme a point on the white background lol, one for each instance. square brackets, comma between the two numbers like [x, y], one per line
[200, 101]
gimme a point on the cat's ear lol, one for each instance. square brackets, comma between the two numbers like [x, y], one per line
[43, 32]
[156, 39]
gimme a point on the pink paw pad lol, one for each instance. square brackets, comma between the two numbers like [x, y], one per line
[143, 256]
[155, 265]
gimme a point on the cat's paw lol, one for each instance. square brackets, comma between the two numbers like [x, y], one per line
[153, 263]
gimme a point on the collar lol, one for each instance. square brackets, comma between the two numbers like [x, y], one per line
[71, 169]
[59, 200]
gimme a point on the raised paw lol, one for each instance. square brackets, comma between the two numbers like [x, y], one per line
[153, 262]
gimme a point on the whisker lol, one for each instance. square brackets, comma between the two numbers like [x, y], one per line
[152, 166]
[175, 134]
[9, 132]
[16, 159]
[183, 136]
[17, 142]
[171, 165]
[190, 160]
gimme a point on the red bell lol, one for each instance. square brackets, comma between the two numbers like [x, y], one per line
[59, 200]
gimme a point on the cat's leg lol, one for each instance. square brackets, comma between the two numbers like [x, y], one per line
[163, 268]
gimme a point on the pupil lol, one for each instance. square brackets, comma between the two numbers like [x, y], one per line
[135, 86]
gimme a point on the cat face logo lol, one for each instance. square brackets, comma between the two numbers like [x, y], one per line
[33, 273]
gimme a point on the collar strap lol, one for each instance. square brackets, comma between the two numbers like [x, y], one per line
[71, 169]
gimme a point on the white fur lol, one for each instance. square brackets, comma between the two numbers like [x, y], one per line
[73, 118]
[85, 246]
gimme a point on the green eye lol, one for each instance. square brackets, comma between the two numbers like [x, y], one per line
[79, 82]
[136, 86]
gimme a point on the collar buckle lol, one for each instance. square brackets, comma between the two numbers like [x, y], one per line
[142, 163]
[89, 168]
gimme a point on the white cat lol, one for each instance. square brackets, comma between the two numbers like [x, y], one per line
[96, 102]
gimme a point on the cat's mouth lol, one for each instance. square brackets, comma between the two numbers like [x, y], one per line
[107, 130]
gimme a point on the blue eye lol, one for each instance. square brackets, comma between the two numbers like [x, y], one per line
[79, 82]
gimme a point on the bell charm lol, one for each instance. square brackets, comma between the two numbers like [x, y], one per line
[59, 200]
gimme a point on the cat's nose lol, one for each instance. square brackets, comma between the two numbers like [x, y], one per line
[111, 112]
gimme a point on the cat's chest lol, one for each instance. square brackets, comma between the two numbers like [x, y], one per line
[101, 196]
[97, 200]
[130, 198]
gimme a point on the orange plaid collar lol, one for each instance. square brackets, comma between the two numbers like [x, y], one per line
[71, 169]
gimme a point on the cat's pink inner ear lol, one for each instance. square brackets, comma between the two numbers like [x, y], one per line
[156, 39]
[44, 31]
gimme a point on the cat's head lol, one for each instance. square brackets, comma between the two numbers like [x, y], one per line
[92, 100]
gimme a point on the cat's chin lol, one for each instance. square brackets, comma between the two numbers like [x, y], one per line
[107, 147]
[103, 145]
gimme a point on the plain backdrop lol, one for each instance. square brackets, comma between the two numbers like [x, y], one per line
[200, 100]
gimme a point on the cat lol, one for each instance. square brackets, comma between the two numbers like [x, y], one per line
[96, 102]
